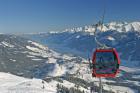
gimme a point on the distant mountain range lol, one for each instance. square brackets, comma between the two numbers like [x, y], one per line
[123, 36]
[117, 26]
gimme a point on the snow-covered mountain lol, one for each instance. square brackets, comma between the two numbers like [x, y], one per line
[27, 58]
[63, 69]
[117, 26]
[61, 72]
[15, 84]
[123, 36]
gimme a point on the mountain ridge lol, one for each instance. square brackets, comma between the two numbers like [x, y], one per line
[117, 26]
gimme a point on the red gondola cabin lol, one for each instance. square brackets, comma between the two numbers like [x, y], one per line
[105, 63]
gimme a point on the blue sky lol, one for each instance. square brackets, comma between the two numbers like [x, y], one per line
[23, 16]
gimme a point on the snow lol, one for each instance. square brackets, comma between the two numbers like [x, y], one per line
[52, 32]
[13, 60]
[38, 45]
[42, 51]
[51, 60]
[136, 26]
[128, 69]
[118, 26]
[58, 71]
[6, 44]
[137, 83]
[38, 52]
[30, 56]
[36, 59]
[33, 48]
[14, 84]
[119, 89]
[110, 38]
[78, 36]
[68, 57]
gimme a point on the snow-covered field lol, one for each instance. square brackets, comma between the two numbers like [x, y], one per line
[13, 84]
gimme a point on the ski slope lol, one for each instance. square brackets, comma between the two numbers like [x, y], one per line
[13, 84]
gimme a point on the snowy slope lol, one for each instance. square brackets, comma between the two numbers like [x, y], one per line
[28, 58]
[14, 84]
